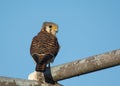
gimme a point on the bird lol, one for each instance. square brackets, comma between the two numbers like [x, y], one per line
[45, 47]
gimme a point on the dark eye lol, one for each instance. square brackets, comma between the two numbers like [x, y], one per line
[50, 26]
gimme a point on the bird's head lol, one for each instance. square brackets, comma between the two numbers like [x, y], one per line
[50, 27]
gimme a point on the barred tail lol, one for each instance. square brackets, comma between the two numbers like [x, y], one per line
[40, 67]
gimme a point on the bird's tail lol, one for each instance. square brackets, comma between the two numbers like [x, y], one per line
[40, 67]
[42, 61]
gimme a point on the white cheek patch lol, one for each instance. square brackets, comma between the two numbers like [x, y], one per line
[53, 32]
[48, 29]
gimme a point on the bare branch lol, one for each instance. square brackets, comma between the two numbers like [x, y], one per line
[86, 65]
[5, 81]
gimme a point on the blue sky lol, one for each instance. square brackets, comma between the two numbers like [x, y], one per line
[86, 28]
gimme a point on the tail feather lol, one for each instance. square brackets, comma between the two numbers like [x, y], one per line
[36, 58]
[47, 58]
[42, 61]
[40, 67]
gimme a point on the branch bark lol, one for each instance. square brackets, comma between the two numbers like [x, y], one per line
[86, 65]
[5, 81]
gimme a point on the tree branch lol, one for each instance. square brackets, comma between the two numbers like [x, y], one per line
[86, 65]
[5, 81]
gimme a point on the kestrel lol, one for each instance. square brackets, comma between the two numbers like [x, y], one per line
[45, 46]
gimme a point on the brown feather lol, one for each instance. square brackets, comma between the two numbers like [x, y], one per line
[42, 44]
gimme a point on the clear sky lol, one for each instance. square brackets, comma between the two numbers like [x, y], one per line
[86, 28]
